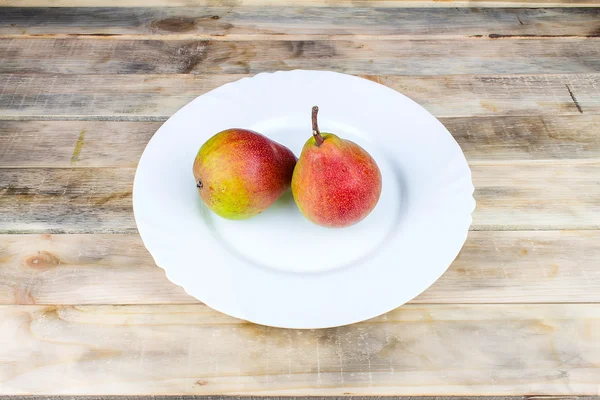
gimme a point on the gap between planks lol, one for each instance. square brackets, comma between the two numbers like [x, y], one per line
[312, 3]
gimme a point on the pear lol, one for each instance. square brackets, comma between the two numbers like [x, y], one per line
[336, 183]
[239, 173]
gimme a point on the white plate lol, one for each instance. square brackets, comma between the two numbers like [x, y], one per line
[279, 269]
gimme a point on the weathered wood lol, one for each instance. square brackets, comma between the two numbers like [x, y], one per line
[493, 267]
[487, 139]
[306, 3]
[537, 196]
[419, 57]
[292, 23]
[226, 397]
[66, 200]
[120, 144]
[416, 349]
[522, 196]
[537, 94]
[82, 269]
[269, 397]
[94, 143]
[159, 96]
[533, 146]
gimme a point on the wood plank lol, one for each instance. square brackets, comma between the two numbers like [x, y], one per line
[82, 143]
[82, 269]
[271, 397]
[120, 143]
[292, 23]
[66, 200]
[537, 196]
[377, 57]
[306, 3]
[225, 397]
[522, 196]
[138, 97]
[493, 267]
[428, 350]
[486, 139]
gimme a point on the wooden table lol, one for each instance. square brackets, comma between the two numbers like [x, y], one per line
[85, 310]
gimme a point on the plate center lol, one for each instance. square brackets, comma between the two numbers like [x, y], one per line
[281, 238]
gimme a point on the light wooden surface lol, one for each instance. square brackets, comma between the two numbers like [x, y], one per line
[483, 140]
[250, 397]
[85, 311]
[270, 397]
[493, 267]
[98, 200]
[495, 349]
[141, 97]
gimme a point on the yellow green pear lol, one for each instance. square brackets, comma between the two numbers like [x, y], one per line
[239, 173]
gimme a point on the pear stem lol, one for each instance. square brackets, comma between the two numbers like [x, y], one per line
[315, 128]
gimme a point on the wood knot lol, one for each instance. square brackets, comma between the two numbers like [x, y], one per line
[43, 260]
[175, 24]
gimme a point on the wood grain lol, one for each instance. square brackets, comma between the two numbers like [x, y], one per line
[308, 3]
[521, 196]
[82, 90]
[537, 196]
[270, 397]
[90, 143]
[120, 143]
[225, 397]
[295, 23]
[476, 349]
[419, 57]
[66, 200]
[141, 97]
[82, 269]
[493, 267]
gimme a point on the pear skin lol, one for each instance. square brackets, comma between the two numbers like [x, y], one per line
[336, 183]
[239, 173]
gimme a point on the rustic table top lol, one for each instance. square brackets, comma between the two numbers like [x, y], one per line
[85, 84]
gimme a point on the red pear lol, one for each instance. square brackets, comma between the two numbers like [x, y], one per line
[336, 183]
